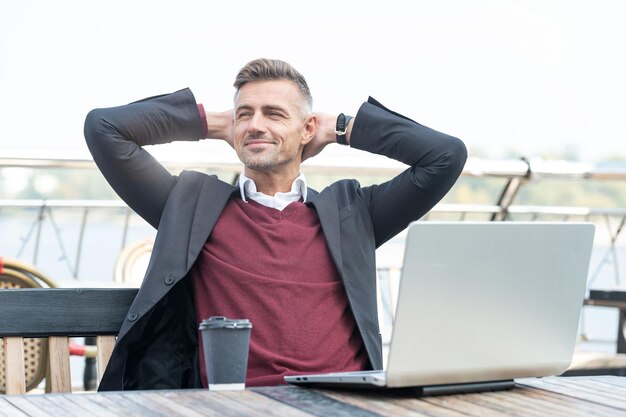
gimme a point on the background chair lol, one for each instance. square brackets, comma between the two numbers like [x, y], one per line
[15, 274]
[132, 262]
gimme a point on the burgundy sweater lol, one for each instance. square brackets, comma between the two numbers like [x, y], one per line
[273, 267]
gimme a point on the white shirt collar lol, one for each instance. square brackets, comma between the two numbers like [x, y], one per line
[279, 201]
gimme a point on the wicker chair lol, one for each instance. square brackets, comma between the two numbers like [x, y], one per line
[132, 262]
[15, 274]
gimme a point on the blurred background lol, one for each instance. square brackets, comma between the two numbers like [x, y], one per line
[510, 77]
[535, 88]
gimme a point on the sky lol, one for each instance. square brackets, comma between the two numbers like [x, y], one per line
[510, 78]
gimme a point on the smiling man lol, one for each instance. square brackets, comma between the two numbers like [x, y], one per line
[300, 264]
[271, 127]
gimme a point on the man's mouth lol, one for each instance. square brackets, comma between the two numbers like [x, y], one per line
[258, 142]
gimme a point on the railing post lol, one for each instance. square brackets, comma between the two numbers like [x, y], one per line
[509, 193]
[125, 231]
[40, 218]
[81, 235]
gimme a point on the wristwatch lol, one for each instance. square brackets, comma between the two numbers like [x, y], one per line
[341, 128]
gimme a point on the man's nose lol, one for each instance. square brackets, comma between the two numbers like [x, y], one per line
[256, 125]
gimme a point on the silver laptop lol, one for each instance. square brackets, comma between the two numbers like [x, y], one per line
[481, 303]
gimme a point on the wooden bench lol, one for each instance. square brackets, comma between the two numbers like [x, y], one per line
[612, 299]
[59, 314]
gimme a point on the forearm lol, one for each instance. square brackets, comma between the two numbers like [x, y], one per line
[436, 161]
[349, 130]
[381, 131]
[218, 125]
[159, 119]
[115, 136]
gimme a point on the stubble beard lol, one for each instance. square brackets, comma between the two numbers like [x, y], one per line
[264, 162]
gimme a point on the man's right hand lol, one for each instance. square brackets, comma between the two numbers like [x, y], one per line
[220, 125]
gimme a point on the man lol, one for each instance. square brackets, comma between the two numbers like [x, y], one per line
[299, 264]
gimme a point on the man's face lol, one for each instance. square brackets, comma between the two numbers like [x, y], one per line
[269, 128]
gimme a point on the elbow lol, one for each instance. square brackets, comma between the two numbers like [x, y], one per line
[94, 121]
[90, 127]
[99, 132]
[457, 154]
[462, 152]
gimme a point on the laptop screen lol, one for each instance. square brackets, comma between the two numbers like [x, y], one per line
[485, 301]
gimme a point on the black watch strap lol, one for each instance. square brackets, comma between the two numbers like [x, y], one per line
[341, 127]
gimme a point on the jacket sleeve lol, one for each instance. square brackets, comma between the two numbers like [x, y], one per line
[435, 162]
[115, 137]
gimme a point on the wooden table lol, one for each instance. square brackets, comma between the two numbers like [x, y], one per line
[569, 397]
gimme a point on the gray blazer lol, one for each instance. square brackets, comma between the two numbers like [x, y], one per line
[157, 346]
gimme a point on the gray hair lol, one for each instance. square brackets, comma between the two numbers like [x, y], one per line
[274, 69]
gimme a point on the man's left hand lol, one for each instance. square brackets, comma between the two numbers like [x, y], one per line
[324, 135]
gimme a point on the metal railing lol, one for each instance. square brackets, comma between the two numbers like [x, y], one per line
[515, 173]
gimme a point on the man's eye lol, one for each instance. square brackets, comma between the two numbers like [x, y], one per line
[244, 115]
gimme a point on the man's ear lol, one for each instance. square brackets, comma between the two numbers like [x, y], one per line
[309, 129]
